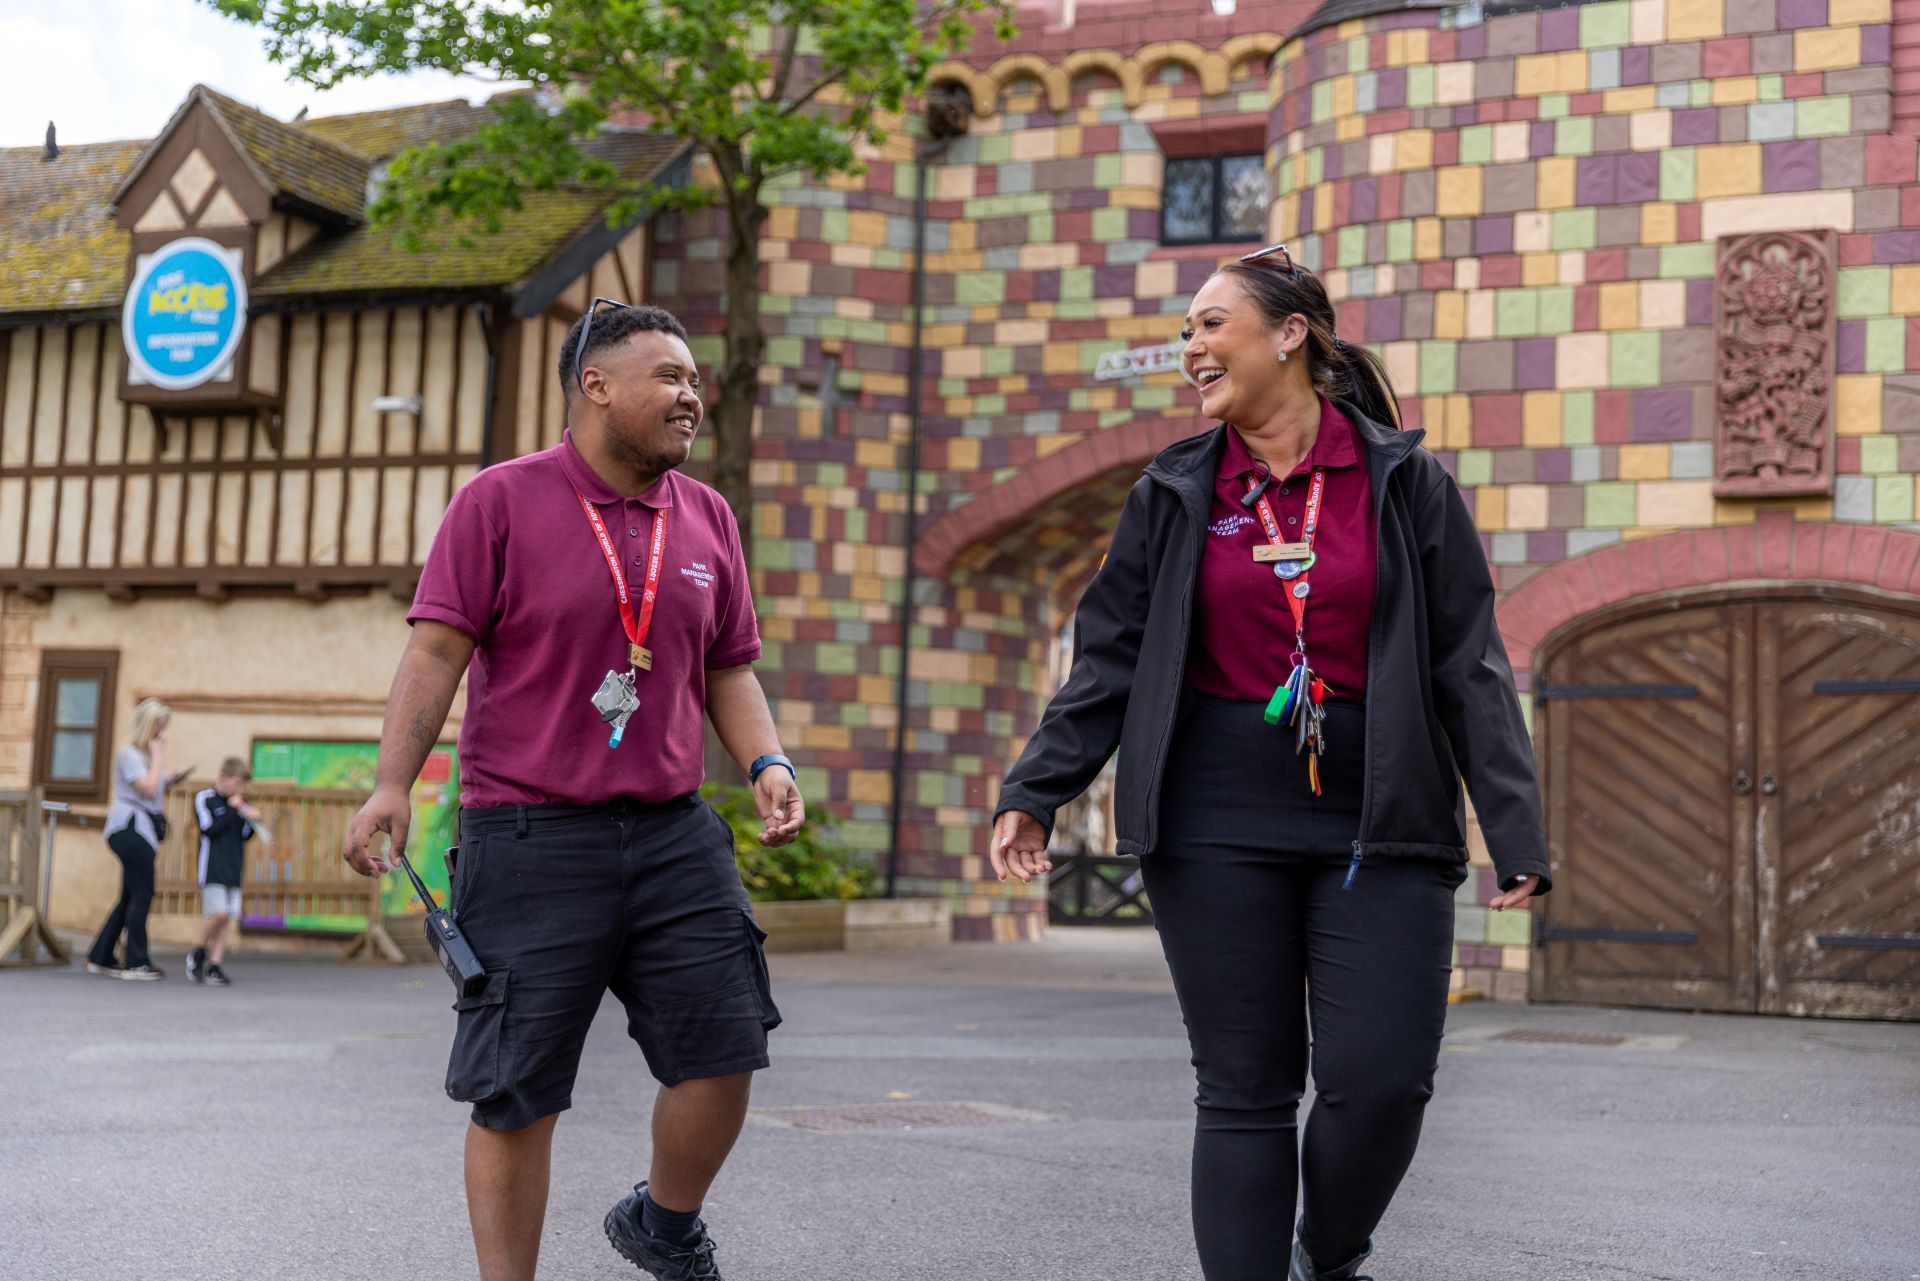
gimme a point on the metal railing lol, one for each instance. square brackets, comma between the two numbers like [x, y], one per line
[1096, 889]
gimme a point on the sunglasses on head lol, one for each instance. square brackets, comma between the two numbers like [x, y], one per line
[585, 330]
[1271, 251]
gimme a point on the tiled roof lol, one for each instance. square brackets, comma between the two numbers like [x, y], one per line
[59, 245]
[299, 162]
[1334, 12]
[371, 258]
[60, 248]
[381, 134]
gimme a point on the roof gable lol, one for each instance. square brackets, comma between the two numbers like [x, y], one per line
[298, 170]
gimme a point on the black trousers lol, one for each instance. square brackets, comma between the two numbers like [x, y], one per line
[136, 896]
[1277, 967]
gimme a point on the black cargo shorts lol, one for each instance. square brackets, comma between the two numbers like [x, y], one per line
[564, 903]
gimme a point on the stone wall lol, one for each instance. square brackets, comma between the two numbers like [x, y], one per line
[1525, 218]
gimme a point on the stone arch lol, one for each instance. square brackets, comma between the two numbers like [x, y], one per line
[1027, 495]
[978, 86]
[1000, 576]
[1245, 48]
[1125, 70]
[1211, 68]
[1775, 548]
[1053, 81]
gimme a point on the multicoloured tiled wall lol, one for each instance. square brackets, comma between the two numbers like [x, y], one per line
[1522, 217]
[1043, 256]
[1520, 214]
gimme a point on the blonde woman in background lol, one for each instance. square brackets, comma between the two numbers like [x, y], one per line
[135, 827]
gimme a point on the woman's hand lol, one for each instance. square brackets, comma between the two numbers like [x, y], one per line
[1522, 890]
[1019, 846]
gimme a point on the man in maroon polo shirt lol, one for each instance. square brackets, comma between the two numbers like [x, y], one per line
[598, 603]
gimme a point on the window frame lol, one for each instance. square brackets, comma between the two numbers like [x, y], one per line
[1216, 232]
[102, 665]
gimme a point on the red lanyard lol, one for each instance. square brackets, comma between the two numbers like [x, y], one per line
[1296, 587]
[637, 627]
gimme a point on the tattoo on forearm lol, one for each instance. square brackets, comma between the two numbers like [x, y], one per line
[424, 730]
[417, 708]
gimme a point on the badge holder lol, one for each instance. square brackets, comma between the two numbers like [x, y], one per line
[616, 702]
[450, 946]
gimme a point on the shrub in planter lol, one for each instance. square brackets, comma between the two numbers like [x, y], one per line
[815, 866]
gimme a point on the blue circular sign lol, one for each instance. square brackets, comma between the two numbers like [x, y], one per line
[185, 312]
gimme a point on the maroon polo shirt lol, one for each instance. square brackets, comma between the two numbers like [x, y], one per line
[516, 566]
[1242, 628]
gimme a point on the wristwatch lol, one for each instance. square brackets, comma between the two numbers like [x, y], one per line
[761, 763]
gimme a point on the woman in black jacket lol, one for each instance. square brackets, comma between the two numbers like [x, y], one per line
[1292, 645]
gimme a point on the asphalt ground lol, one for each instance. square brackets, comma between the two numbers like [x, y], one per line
[293, 1126]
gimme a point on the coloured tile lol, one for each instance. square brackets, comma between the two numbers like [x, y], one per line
[1857, 401]
[1726, 170]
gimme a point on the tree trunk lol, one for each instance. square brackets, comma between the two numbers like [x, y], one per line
[739, 386]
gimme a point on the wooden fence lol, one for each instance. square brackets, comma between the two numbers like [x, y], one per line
[24, 936]
[296, 881]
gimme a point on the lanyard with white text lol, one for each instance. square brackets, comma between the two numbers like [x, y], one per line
[636, 625]
[1293, 562]
[1296, 701]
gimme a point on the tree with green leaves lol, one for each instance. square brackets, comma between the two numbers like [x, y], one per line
[762, 88]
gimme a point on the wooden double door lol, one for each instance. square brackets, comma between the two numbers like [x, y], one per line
[1733, 800]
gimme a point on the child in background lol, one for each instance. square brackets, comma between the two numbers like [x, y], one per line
[226, 824]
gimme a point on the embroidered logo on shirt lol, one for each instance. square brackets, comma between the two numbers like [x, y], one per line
[699, 573]
[1229, 526]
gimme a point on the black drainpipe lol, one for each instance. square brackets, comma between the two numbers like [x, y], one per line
[486, 313]
[926, 152]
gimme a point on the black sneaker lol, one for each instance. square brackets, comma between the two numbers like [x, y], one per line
[143, 973]
[217, 977]
[104, 971]
[662, 1259]
[1303, 1269]
[197, 965]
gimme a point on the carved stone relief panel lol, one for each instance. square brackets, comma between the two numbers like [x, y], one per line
[1773, 364]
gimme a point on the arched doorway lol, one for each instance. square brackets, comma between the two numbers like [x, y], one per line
[1732, 781]
[1000, 577]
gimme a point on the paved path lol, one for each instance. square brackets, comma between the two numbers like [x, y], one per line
[292, 1127]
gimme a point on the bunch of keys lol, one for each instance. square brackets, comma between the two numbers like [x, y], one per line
[1300, 702]
[616, 702]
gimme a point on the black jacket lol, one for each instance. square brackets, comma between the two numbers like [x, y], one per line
[224, 833]
[1440, 695]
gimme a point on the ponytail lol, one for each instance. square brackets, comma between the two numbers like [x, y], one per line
[1367, 384]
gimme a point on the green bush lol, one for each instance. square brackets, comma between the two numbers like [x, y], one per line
[816, 865]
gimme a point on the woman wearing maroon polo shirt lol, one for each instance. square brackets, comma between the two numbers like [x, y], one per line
[1291, 644]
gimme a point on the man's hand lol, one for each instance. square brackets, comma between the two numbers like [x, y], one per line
[778, 799]
[388, 810]
[1019, 846]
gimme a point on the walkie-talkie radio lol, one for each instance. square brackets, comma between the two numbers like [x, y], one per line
[450, 946]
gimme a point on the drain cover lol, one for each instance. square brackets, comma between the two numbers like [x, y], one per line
[1548, 1036]
[897, 1116]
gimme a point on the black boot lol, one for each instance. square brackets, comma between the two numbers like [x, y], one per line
[1303, 1269]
